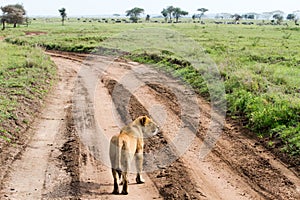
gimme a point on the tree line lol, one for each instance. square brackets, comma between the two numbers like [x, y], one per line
[16, 14]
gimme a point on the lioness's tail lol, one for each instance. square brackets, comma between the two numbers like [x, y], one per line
[114, 154]
[119, 171]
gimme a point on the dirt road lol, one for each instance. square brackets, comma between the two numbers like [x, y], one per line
[66, 156]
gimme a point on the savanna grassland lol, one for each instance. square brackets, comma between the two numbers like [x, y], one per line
[26, 75]
[260, 67]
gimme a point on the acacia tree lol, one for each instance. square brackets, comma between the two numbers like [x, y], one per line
[278, 17]
[194, 17]
[291, 17]
[13, 14]
[147, 18]
[202, 10]
[177, 12]
[63, 15]
[134, 14]
[236, 18]
[170, 11]
[164, 12]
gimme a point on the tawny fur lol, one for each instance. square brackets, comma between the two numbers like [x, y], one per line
[127, 144]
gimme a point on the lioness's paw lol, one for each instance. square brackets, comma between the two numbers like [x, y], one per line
[115, 192]
[140, 180]
[124, 192]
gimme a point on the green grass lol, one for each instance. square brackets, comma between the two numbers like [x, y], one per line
[74, 36]
[261, 69]
[25, 77]
[260, 65]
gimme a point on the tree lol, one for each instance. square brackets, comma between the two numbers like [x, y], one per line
[63, 15]
[252, 15]
[177, 12]
[194, 17]
[13, 14]
[134, 14]
[278, 17]
[147, 18]
[170, 10]
[202, 10]
[291, 17]
[297, 15]
[248, 16]
[164, 12]
[236, 18]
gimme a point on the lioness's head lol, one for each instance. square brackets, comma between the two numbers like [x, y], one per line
[149, 127]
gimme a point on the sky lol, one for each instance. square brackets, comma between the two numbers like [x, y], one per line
[99, 7]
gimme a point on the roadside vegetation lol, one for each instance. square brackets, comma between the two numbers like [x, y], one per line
[261, 70]
[260, 66]
[26, 75]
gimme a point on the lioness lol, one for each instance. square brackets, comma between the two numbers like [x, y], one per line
[126, 145]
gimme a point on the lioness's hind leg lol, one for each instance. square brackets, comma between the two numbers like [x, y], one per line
[115, 176]
[139, 166]
[125, 183]
[125, 162]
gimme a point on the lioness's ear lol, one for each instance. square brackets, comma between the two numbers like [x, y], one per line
[143, 120]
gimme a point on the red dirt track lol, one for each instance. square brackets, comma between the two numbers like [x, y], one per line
[64, 152]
